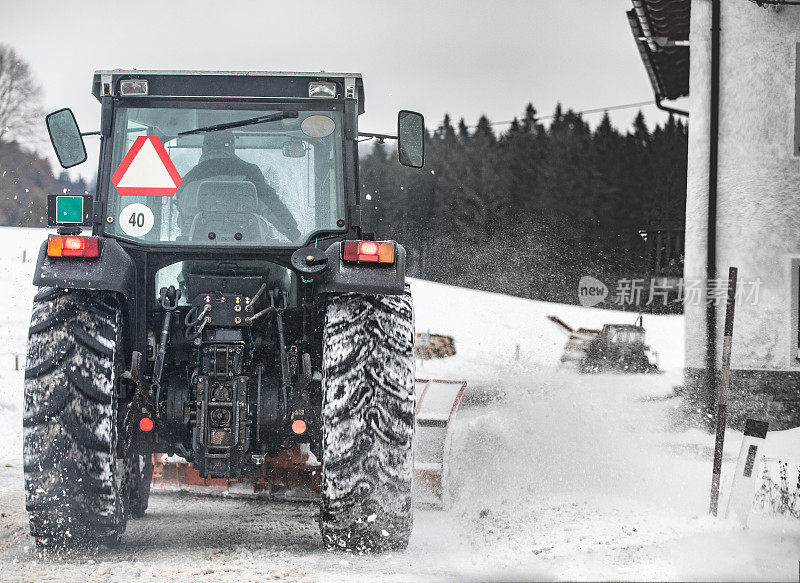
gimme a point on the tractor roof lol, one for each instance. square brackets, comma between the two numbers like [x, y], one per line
[210, 84]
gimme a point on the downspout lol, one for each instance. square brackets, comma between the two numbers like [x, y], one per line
[671, 110]
[711, 256]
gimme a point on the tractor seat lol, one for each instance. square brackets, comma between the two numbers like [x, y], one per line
[227, 212]
[188, 194]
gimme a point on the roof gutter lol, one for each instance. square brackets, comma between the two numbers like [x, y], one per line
[644, 23]
[645, 40]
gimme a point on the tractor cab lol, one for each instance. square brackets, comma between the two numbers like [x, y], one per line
[623, 335]
[220, 173]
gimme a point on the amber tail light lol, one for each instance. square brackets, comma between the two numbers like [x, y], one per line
[72, 246]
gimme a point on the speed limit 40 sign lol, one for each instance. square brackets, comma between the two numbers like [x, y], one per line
[136, 220]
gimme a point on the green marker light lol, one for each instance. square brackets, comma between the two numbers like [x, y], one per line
[69, 209]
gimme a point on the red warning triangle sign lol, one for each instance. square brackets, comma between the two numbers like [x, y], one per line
[146, 170]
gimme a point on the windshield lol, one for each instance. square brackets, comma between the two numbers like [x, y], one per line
[225, 175]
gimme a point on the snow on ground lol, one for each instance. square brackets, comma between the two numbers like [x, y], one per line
[16, 288]
[554, 475]
[488, 327]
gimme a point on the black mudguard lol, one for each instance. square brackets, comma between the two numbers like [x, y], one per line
[113, 271]
[367, 278]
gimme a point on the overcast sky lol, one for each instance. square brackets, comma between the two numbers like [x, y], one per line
[465, 57]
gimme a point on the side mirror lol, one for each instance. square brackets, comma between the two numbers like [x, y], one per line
[294, 149]
[66, 138]
[411, 138]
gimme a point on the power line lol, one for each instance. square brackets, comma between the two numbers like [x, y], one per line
[601, 109]
[595, 110]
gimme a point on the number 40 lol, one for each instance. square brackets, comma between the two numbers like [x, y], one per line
[136, 220]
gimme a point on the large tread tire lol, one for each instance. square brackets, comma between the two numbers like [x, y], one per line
[368, 422]
[74, 481]
[141, 477]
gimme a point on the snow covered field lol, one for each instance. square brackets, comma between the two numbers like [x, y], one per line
[555, 475]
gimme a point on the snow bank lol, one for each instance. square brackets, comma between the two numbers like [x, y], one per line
[586, 474]
[488, 327]
[591, 473]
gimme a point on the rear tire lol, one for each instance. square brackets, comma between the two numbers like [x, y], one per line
[368, 422]
[73, 477]
[141, 477]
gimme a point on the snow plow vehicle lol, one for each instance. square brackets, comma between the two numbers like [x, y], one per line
[228, 307]
[618, 348]
[615, 348]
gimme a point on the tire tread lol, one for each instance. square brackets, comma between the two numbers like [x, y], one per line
[368, 422]
[69, 436]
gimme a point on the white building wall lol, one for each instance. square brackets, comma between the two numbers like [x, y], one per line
[758, 219]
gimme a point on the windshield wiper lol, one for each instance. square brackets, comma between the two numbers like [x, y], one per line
[244, 122]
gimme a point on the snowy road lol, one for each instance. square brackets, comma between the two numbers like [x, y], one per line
[593, 487]
[193, 538]
[555, 476]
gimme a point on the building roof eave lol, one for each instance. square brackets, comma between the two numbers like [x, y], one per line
[661, 32]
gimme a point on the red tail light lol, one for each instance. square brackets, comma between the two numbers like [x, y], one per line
[368, 252]
[72, 246]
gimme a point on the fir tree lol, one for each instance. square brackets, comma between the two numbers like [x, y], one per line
[550, 202]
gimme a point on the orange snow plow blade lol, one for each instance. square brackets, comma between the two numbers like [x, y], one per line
[291, 475]
[295, 475]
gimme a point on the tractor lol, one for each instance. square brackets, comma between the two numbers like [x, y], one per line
[219, 299]
[618, 348]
